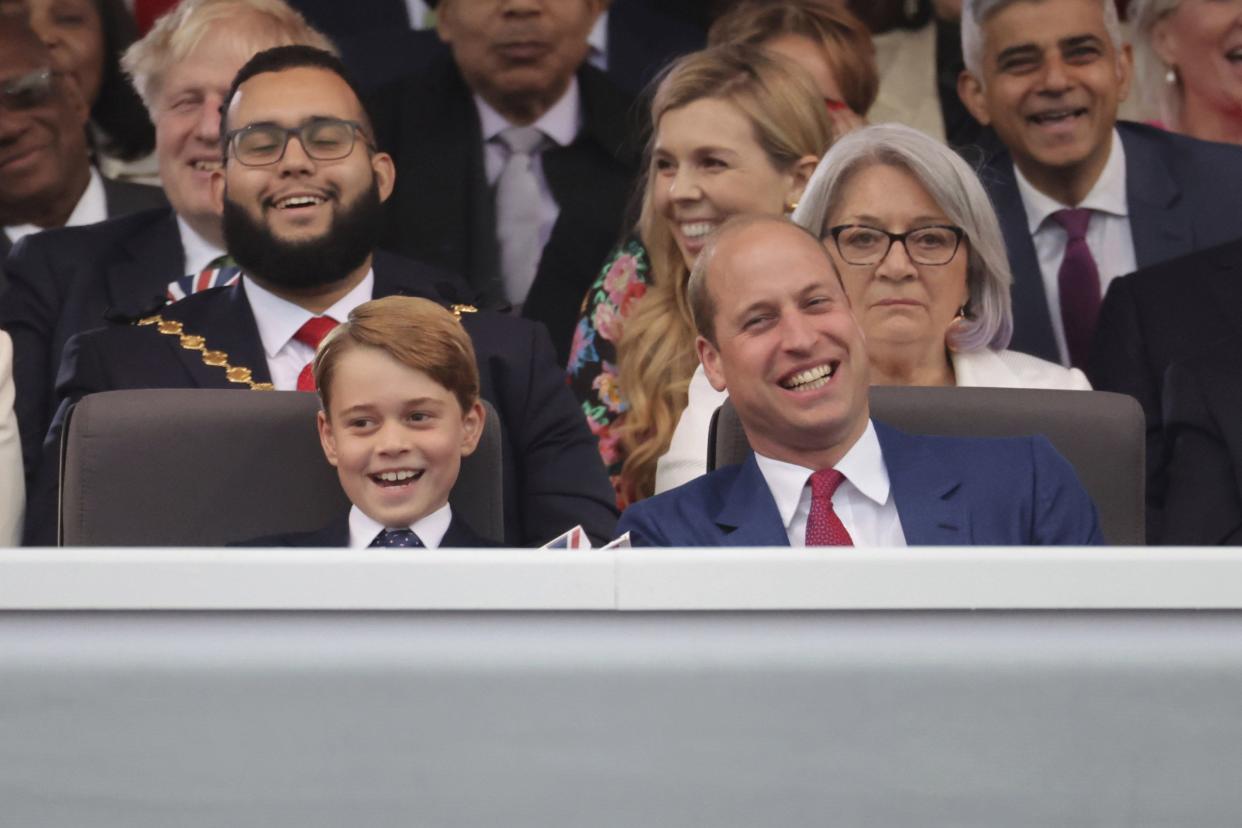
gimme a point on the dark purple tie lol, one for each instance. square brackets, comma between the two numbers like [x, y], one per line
[1079, 283]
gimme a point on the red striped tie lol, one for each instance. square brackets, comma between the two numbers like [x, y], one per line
[823, 527]
[312, 333]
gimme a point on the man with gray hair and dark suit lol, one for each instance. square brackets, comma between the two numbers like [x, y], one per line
[1082, 198]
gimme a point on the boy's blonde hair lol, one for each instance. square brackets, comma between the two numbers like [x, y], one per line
[418, 333]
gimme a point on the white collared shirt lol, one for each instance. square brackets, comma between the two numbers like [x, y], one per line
[1108, 233]
[430, 528]
[279, 319]
[560, 124]
[863, 502]
[198, 251]
[92, 206]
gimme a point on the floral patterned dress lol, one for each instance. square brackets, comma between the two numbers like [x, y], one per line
[593, 354]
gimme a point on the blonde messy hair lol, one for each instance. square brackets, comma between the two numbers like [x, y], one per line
[655, 354]
[259, 24]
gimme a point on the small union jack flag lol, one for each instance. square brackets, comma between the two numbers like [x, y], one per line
[208, 277]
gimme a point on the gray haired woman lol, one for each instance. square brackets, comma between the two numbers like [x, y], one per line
[920, 254]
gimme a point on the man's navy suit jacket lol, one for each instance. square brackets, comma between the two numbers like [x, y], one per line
[949, 491]
[1183, 195]
[442, 210]
[336, 534]
[553, 477]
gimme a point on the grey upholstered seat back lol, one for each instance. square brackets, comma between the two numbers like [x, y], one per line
[196, 467]
[1100, 433]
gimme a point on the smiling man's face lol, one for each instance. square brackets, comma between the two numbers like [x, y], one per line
[1052, 80]
[787, 347]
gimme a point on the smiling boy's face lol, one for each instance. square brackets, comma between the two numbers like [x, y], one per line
[395, 435]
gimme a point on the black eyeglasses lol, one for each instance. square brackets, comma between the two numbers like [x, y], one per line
[28, 91]
[323, 139]
[859, 244]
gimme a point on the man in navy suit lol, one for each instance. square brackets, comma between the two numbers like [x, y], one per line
[776, 330]
[1048, 76]
[75, 279]
[300, 193]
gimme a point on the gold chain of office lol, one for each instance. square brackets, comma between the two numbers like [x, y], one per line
[219, 359]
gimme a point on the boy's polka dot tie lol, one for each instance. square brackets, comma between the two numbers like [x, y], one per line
[397, 539]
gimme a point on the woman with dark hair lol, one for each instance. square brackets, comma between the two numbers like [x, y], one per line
[86, 39]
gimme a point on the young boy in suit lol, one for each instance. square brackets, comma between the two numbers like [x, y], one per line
[399, 389]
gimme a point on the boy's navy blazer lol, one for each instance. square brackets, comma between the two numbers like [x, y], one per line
[1183, 195]
[949, 491]
[553, 477]
[336, 534]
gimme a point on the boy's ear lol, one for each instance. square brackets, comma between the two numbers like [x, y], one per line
[472, 428]
[326, 438]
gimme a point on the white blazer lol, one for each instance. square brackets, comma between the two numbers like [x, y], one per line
[12, 481]
[686, 457]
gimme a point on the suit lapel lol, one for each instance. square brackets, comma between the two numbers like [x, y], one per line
[224, 319]
[748, 516]
[925, 491]
[460, 535]
[1160, 228]
[1032, 323]
[139, 282]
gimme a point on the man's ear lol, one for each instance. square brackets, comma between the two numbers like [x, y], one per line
[326, 438]
[385, 174]
[710, 357]
[218, 188]
[970, 90]
[472, 428]
[445, 24]
[1125, 71]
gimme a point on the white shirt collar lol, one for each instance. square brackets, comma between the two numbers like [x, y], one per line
[863, 467]
[92, 206]
[430, 528]
[560, 123]
[1107, 195]
[279, 319]
[198, 251]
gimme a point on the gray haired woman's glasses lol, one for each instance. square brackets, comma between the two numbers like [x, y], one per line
[859, 244]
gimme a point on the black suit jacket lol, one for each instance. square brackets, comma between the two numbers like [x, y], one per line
[553, 477]
[66, 281]
[120, 198]
[1150, 319]
[336, 534]
[442, 209]
[1183, 195]
[1203, 432]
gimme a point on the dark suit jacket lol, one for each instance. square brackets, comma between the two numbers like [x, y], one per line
[1183, 194]
[69, 280]
[1155, 317]
[442, 209]
[336, 534]
[949, 491]
[1203, 436]
[553, 477]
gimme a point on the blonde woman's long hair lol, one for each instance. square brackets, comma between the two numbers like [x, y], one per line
[655, 354]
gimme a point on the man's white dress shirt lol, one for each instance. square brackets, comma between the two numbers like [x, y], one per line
[864, 501]
[279, 319]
